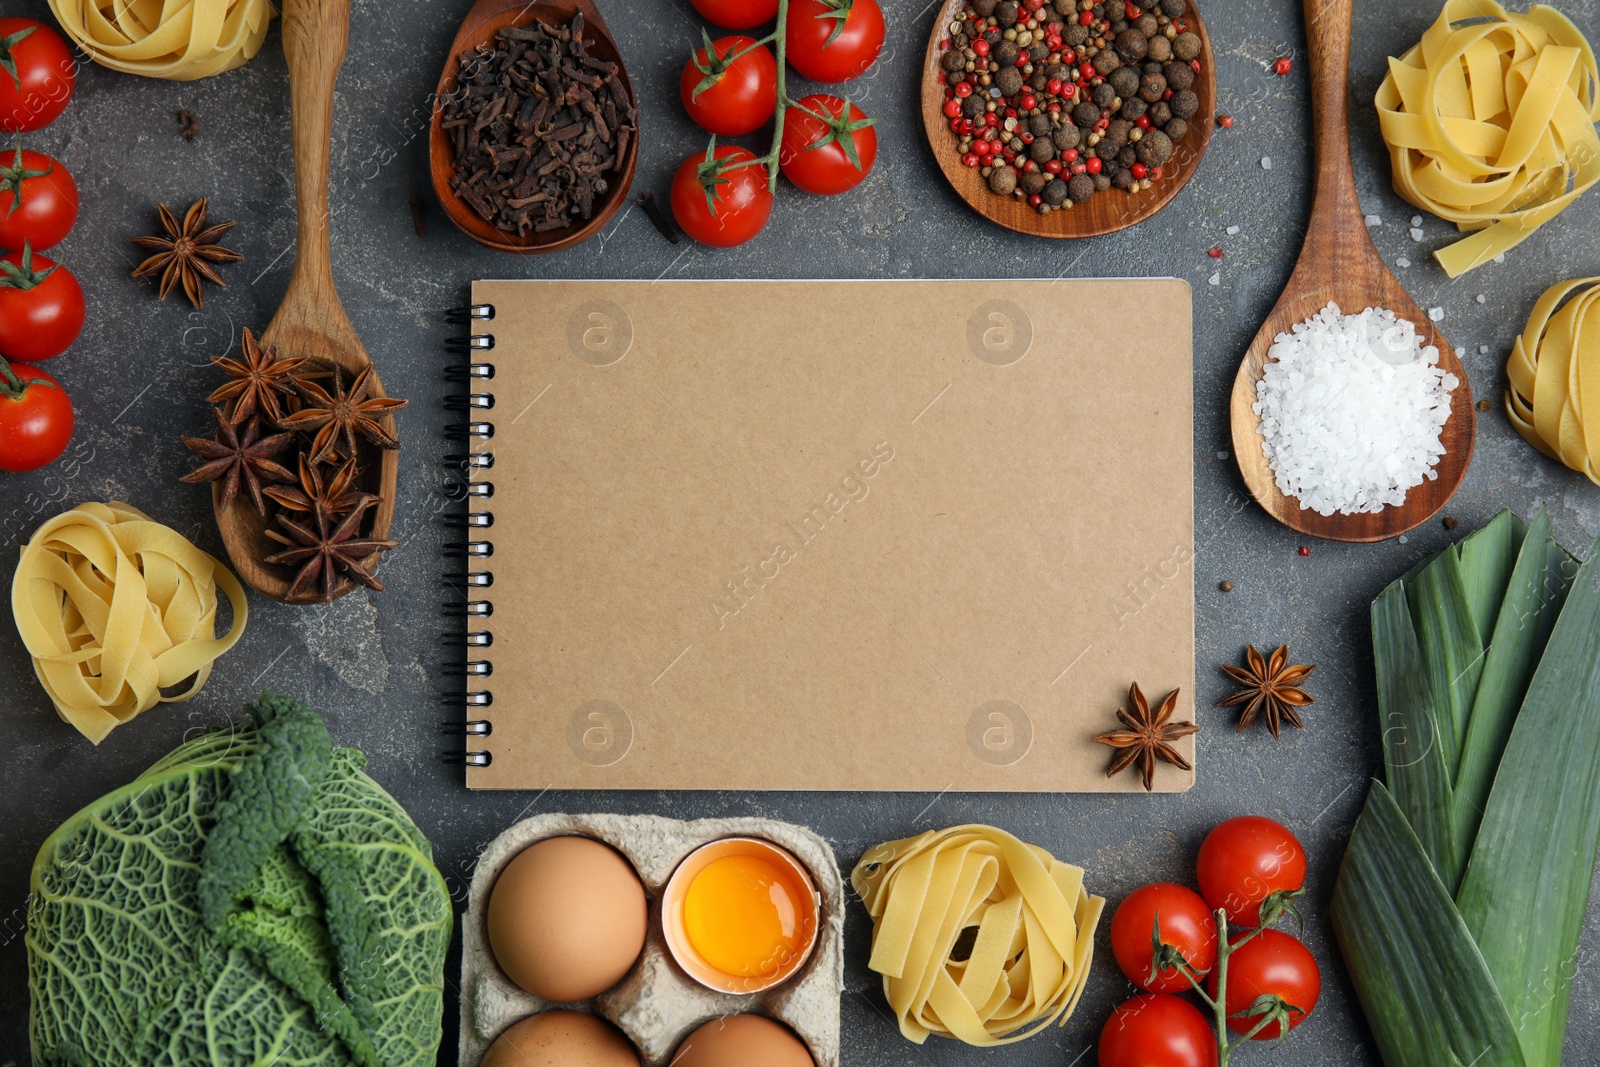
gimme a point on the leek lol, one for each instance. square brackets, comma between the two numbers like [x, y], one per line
[1462, 894]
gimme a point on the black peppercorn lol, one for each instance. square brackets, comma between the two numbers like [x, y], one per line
[1055, 191]
[1160, 49]
[1004, 53]
[954, 61]
[972, 106]
[1039, 125]
[1065, 8]
[1104, 96]
[1185, 104]
[1106, 150]
[1125, 81]
[1160, 113]
[993, 36]
[1152, 67]
[1102, 182]
[984, 7]
[1059, 71]
[1179, 76]
[1076, 35]
[1085, 115]
[1148, 25]
[1117, 132]
[1081, 188]
[1128, 156]
[1177, 129]
[1002, 180]
[1005, 13]
[1009, 81]
[1132, 45]
[1033, 181]
[1186, 46]
[1155, 148]
[1133, 107]
[1122, 179]
[1038, 53]
[1041, 151]
[1038, 82]
[1066, 137]
[1173, 8]
[1118, 26]
[1105, 61]
[1152, 87]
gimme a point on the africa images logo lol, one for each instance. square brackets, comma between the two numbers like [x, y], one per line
[853, 487]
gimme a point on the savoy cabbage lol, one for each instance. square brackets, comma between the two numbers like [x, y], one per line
[253, 899]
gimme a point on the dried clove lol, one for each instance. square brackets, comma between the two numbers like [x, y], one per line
[190, 124]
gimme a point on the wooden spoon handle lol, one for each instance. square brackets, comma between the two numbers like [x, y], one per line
[315, 35]
[1336, 208]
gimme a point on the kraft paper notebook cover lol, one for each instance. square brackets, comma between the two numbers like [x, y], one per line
[913, 535]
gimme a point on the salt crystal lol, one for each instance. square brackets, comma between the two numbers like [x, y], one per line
[1483, 350]
[1404, 539]
[1416, 234]
[1373, 220]
[1266, 162]
[1351, 410]
[1402, 262]
[1501, 258]
[1416, 220]
[1436, 314]
[1215, 279]
[1222, 454]
[1233, 231]
[1482, 299]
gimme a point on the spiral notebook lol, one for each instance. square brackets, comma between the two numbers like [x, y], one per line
[818, 535]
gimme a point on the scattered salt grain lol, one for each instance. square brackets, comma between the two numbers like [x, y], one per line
[1266, 162]
[1501, 258]
[1233, 231]
[1222, 454]
[1416, 234]
[1215, 279]
[1404, 539]
[1374, 220]
[1402, 262]
[1481, 298]
[1416, 220]
[1436, 314]
[1483, 350]
[1351, 410]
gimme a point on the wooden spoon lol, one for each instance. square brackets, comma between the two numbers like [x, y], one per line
[311, 321]
[487, 18]
[1339, 263]
[1107, 212]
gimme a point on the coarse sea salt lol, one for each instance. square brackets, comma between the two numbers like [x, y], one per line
[1351, 410]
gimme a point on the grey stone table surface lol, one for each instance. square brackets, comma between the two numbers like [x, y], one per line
[372, 663]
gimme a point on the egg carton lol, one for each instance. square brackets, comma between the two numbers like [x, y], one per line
[657, 1005]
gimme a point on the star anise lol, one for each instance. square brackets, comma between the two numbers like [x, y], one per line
[259, 383]
[236, 458]
[341, 415]
[333, 496]
[1271, 689]
[186, 253]
[1148, 737]
[326, 549]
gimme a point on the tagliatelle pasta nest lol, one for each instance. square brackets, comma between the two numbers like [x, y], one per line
[115, 607]
[179, 40]
[1490, 124]
[1034, 923]
[1555, 376]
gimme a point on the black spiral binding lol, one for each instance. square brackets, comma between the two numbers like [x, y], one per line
[467, 578]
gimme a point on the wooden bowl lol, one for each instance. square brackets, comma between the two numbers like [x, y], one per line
[487, 18]
[1108, 211]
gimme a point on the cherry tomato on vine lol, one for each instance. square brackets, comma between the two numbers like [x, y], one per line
[37, 75]
[1245, 860]
[41, 307]
[1186, 924]
[35, 418]
[1157, 1030]
[730, 99]
[827, 157]
[736, 14]
[720, 206]
[38, 200]
[834, 40]
[1272, 963]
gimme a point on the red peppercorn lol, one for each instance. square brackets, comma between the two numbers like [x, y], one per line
[952, 108]
[1155, 173]
[1139, 170]
[1033, 5]
[1215, 253]
[980, 46]
[963, 89]
[1304, 551]
[1095, 165]
[942, 79]
[944, 45]
[981, 64]
[1053, 86]
[1086, 71]
[1025, 137]
[1167, 95]
[1180, 25]
[1143, 122]
[1225, 121]
[1028, 102]
[1030, 166]
[1053, 166]
[970, 159]
[1132, 10]
[1035, 200]
[1080, 168]
[1086, 19]
[1283, 66]
[1011, 112]
[1070, 155]
[990, 118]
[1069, 57]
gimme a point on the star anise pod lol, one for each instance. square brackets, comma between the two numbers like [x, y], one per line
[331, 495]
[326, 549]
[341, 415]
[186, 253]
[239, 458]
[1271, 689]
[1148, 737]
[259, 383]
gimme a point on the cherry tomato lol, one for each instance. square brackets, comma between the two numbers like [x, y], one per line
[739, 203]
[827, 157]
[37, 75]
[1244, 860]
[815, 51]
[736, 14]
[1272, 963]
[35, 418]
[1186, 925]
[38, 200]
[1157, 1030]
[41, 307]
[740, 96]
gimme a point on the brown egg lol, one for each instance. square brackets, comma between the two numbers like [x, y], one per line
[742, 1041]
[561, 1039]
[567, 918]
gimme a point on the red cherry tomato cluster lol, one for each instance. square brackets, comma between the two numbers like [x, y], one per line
[734, 85]
[41, 303]
[1168, 940]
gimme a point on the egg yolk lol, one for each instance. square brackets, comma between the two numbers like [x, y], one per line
[748, 916]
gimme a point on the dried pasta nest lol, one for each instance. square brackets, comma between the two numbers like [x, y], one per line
[1490, 124]
[161, 39]
[1555, 376]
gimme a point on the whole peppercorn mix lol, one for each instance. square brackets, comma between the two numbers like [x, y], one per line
[1057, 101]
